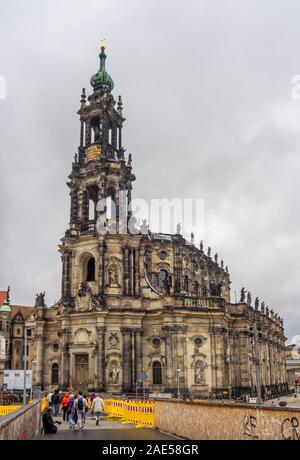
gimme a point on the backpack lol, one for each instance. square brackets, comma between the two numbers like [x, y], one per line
[80, 404]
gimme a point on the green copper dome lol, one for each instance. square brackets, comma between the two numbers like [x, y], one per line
[102, 80]
[5, 308]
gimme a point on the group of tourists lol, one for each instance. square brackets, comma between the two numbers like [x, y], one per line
[73, 407]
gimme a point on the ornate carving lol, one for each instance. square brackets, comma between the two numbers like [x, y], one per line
[85, 299]
[114, 340]
[100, 330]
[40, 300]
[176, 328]
[243, 295]
[199, 372]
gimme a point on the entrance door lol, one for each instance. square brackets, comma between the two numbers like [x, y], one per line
[81, 371]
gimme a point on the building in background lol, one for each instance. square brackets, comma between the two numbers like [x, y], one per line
[292, 356]
[12, 321]
[140, 303]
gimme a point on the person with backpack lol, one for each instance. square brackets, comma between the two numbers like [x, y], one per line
[71, 410]
[80, 405]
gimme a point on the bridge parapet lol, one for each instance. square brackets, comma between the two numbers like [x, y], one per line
[22, 424]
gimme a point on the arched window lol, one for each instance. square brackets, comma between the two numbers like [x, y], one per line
[91, 210]
[157, 373]
[186, 283]
[196, 288]
[90, 271]
[162, 278]
[55, 374]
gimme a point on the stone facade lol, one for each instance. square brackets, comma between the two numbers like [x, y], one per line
[133, 301]
[12, 330]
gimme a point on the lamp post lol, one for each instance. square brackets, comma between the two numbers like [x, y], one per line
[178, 386]
[27, 327]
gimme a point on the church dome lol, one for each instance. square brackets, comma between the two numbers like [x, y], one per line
[5, 308]
[101, 79]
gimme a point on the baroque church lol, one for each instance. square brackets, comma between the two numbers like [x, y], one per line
[137, 305]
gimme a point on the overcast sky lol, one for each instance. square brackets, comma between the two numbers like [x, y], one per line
[206, 88]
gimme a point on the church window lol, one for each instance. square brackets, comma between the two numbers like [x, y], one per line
[55, 374]
[91, 210]
[90, 275]
[163, 255]
[186, 283]
[162, 278]
[157, 373]
[18, 331]
[198, 341]
[156, 342]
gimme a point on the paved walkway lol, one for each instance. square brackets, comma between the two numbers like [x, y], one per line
[106, 430]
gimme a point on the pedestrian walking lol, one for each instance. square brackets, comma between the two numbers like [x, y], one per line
[55, 402]
[97, 407]
[71, 410]
[49, 397]
[80, 405]
[64, 405]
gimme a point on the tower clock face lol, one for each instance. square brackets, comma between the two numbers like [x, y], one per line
[93, 153]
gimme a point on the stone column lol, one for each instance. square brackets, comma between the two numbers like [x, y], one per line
[39, 349]
[127, 358]
[131, 264]
[64, 371]
[88, 133]
[169, 356]
[120, 137]
[74, 205]
[126, 270]
[85, 205]
[101, 357]
[102, 248]
[129, 202]
[66, 272]
[81, 132]
[138, 352]
[137, 272]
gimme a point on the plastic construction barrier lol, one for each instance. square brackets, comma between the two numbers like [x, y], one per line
[4, 410]
[139, 413]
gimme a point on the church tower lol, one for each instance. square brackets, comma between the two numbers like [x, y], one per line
[101, 178]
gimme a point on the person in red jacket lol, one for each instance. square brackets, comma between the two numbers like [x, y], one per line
[64, 405]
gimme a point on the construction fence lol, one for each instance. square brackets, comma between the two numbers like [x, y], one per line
[7, 409]
[139, 413]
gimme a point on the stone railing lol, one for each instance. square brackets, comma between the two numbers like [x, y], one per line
[227, 421]
[22, 424]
